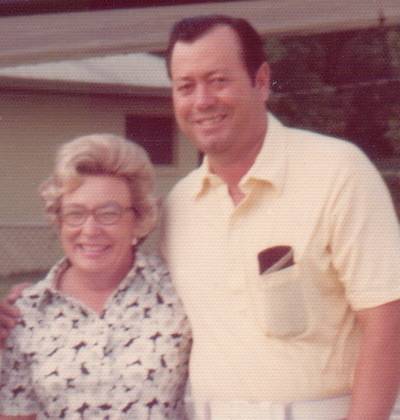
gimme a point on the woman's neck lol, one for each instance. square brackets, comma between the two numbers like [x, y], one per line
[92, 288]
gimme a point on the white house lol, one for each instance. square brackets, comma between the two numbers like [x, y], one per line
[67, 74]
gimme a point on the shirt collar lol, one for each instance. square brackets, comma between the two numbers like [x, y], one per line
[269, 167]
[48, 288]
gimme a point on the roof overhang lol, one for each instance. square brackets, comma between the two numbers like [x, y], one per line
[61, 36]
[138, 74]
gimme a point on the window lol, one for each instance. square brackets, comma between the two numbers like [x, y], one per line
[155, 134]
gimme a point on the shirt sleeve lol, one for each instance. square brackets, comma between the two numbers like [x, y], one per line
[365, 239]
[16, 391]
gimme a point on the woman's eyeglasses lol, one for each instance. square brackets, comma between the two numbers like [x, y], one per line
[105, 215]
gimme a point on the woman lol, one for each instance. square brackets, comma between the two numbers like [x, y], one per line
[103, 336]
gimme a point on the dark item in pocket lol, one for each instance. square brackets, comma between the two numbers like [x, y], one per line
[275, 258]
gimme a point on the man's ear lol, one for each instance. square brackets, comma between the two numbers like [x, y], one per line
[262, 80]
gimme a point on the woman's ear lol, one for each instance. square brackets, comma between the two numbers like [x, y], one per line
[55, 222]
[262, 80]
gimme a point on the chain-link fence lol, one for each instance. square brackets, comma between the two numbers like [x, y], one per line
[30, 249]
[27, 249]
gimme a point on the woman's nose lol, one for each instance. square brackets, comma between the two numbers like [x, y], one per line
[90, 225]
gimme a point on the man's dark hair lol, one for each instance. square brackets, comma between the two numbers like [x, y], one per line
[192, 28]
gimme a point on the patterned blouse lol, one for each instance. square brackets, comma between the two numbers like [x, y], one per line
[64, 360]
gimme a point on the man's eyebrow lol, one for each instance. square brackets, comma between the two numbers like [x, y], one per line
[217, 72]
[182, 79]
[211, 73]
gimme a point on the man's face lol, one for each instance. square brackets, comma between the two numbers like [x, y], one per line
[217, 105]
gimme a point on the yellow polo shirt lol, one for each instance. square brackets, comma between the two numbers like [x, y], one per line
[271, 285]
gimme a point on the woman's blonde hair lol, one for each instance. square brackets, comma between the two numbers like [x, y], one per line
[104, 154]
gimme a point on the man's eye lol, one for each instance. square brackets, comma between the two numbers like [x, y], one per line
[218, 81]
[184, 88]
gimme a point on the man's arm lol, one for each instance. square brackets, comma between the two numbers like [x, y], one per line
[377, 374]
[9, 314]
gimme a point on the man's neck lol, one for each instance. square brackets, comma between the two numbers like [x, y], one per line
[231, 173]
[232, 168]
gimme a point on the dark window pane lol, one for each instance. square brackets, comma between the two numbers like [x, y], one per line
[155, 134]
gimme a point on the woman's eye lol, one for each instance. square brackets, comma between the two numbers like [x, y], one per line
[108, 214]
[74, 214]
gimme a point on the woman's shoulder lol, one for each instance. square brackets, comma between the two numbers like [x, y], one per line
[156, 274]
[30, 300]
[152, 264]
[32, 296]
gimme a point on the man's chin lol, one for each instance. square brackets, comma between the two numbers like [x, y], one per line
[211, 145]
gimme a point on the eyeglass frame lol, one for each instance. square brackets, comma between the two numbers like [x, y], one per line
[92, 212]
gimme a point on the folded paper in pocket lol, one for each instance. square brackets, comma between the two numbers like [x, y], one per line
[275, 258]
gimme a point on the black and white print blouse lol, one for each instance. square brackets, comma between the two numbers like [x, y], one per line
[65, 361]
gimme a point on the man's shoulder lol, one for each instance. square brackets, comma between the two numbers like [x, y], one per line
[310, 146]
[323, 157]
[316, 149]
[301, 138]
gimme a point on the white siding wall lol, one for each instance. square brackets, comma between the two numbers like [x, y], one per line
[32, 126]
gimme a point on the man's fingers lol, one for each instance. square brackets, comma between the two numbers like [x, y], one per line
[6, 324]
[8, 316]
[8, 310]
[3, 337]
[16, 291]
[3, 334]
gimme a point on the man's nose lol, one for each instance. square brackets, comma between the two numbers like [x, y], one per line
[204, 97]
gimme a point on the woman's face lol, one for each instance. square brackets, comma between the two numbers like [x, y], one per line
[94, 246]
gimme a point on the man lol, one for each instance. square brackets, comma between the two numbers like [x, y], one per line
[283, 246]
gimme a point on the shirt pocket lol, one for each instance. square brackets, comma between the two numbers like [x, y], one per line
[282, 309]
